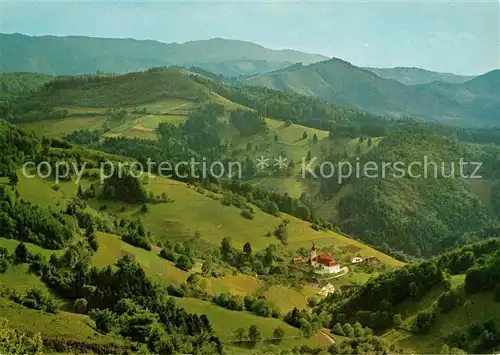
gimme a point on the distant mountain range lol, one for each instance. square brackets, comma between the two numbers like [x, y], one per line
[416, 76]
[398, 92]
[82, 55]
[475, 102]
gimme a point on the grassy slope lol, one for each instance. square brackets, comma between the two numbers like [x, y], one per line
[62, 324]
[141, 126]
[225, 322]
[192, 211]
[63, 126]
[18, 277]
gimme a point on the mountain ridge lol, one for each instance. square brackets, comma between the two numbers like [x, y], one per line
[417, 76]
[73, 55]
[340, 82]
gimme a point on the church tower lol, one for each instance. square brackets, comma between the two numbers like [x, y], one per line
[313, 255]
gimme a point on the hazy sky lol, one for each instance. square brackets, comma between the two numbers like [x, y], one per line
[451, 36]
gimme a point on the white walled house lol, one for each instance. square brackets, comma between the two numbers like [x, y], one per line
[326, 290]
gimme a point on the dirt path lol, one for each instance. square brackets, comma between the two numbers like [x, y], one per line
[344, 270]
[327, 335]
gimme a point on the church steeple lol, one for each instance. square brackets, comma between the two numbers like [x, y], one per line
[313, 254]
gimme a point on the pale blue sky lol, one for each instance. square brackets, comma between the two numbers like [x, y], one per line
[459, 37]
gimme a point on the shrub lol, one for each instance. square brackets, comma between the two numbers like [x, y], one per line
[247, 214]
[175, 290]
[21, 254]
[424, 321]
[168, 254]
[36, 299]
[80, 305]
[184, 263]
[137, 241]
[312, 301]
[337, 329]
[448, 301]
[348, 331]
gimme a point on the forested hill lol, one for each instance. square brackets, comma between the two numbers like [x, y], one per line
[156, 84]
[422, 214]
[340, 82]
[14, 84]
[86, 55]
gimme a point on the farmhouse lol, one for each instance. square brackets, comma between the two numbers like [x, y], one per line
[324, 261]
[326, 290]
[356, 260]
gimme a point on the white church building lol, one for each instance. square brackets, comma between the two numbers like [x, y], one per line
[324, 262]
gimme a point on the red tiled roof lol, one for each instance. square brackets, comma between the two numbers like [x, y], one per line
[325, 259]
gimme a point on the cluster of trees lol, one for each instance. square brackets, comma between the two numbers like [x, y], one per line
[448, 301]
[231, 199]
[148, 325]
[274, 203]
[260, 306]
[254, 336]
[182, 254]
[485, 276]
[35, 299]
[245, 259]
[351, 331]
[15, 145]
[368, 344]
[63, 345]
[197, 137]
[281, 232]
[24, 221]
[84, 136]
[92, 223]
[424, 321]
[135, 233]
[306, 321]
[5, 260]
[477, 338]
[248, 123]
[124, 186]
